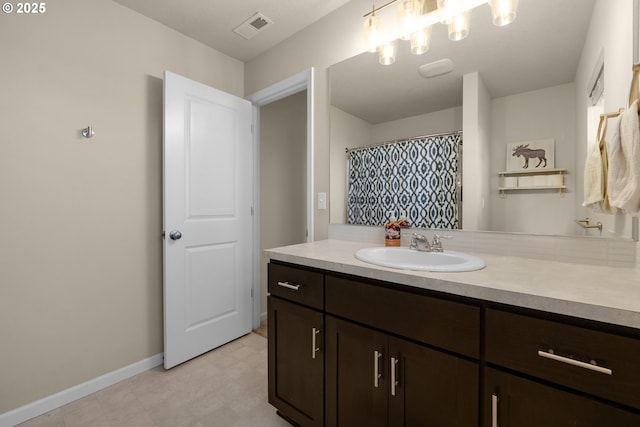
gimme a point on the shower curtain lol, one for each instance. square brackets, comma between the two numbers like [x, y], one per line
[418, 177]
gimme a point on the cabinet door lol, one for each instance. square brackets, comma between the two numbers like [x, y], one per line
[431, 388]
[296, 362]
[512, 401]
[356, 375]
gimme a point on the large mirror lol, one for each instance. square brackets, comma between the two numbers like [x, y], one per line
[534, 73]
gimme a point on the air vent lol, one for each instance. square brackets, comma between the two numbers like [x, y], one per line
[436, 68]
[253, 26]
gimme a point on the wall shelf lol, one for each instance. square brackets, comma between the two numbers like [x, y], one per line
[543, 179]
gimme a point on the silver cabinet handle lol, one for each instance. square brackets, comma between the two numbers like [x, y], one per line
[590, 366]
[376, 368]
[314, 347]
[289, 286]
[394, 373]
[494, 410]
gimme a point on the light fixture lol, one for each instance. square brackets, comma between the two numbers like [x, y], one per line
[420, 40]
[387, 53]
[372, 31]
[459, 26]
[416, 21]
[409, 12]
[457, 18]
[445, 7]
[503, 11]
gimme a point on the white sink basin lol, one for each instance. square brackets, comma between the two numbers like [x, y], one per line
[410, 259]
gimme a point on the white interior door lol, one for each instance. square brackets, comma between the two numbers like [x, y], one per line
[208, 167]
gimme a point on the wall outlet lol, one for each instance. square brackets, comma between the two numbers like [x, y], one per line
[322, 200]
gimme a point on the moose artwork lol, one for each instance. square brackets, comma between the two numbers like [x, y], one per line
[533, 155]
[528, 153]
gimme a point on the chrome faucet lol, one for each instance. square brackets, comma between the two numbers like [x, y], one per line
[420, 239]
[420, 242]
[436, 246]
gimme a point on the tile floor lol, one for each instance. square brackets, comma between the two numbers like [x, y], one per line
[225, 387]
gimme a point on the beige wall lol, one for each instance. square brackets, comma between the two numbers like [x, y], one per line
[81, 258]
[283, 171]
[449, 120]
[542, 114]
[328, 41]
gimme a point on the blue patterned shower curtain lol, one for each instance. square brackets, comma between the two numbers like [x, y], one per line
[417, 176]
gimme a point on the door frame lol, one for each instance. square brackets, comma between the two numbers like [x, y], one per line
[304, 80]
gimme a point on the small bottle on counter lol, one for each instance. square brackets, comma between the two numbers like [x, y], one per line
[392, 231]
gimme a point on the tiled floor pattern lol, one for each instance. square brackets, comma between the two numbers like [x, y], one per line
[226, 387]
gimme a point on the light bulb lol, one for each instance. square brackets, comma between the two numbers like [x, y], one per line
[503, 11]
[420, 40]
[387, 53]
[372, 32]
[459, 26]
[409, 13]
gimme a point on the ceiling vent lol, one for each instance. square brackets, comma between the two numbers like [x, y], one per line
[253, 26]
[436, 68]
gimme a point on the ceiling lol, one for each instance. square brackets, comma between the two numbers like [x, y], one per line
[540, 49]
[212, 21]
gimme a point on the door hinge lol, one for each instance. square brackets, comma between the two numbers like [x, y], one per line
[251, 210]
[251, 292]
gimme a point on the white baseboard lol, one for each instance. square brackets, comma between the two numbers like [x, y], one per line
[49, 403]
[263, 316]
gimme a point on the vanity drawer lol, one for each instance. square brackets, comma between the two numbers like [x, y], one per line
[297, 285]
[445, 324]
[592, 361]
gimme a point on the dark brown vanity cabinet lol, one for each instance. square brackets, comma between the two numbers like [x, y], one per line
[296, 349]
[376, 378]
[350, 351]
[545, 372]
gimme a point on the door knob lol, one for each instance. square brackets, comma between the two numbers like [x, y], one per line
[175, 235]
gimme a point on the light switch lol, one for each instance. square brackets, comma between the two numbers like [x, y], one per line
[322, 200]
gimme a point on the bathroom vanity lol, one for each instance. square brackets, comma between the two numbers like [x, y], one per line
[355, 344]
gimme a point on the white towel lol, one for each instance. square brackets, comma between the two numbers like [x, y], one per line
[595, 172]
[593, 178]
[624, 163]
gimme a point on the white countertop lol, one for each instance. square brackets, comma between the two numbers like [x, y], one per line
[605, 294]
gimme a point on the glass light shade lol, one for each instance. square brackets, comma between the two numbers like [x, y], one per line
[444, 4]
[387, 53]
[372, 32]
[409, 13]
[503, 11]
[459, 26]
[420, 40]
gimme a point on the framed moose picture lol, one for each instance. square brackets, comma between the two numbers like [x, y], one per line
[531, 155]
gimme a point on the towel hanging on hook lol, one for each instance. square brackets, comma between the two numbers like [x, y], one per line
[623, 180]
[596, 169]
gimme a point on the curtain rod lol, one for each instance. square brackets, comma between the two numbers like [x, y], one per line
[399, 141]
